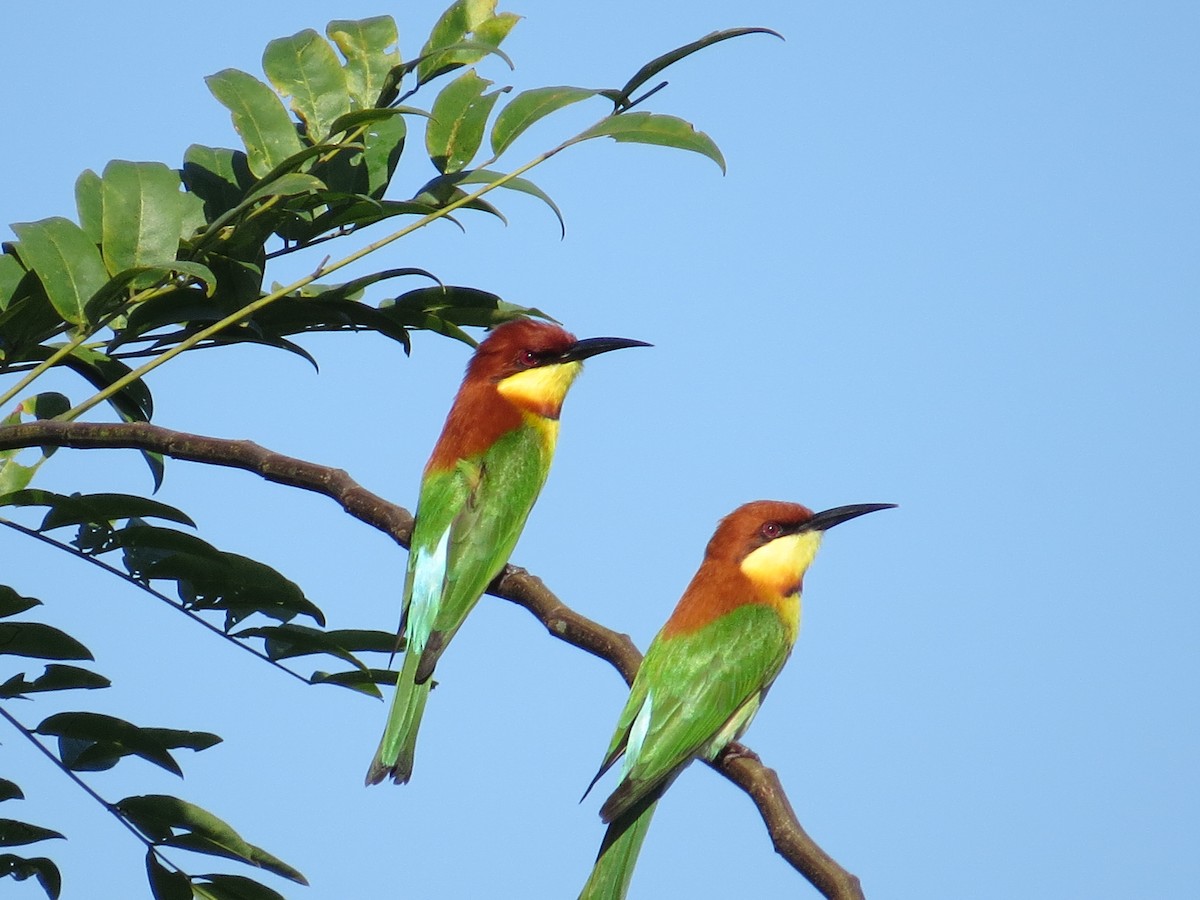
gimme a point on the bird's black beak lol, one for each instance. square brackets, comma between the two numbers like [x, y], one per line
[825, 520]
[581, 350]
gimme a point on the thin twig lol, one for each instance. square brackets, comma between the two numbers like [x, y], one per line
[110, 808]
[738, 763]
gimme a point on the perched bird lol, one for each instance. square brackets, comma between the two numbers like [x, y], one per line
[485, 473]
[708, 669]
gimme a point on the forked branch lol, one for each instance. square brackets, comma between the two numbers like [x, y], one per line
[514, 584]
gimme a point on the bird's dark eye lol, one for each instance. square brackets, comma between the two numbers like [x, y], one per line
[771, 530]
[527, 358]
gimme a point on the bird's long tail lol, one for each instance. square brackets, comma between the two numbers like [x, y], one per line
[618, 854]
[394, 757]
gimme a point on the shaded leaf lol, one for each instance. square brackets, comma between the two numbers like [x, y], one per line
[653, 128]
[286, 185]
[65, 260]
[33, 639]
[142, 215]
[290, 641]
[304, 68]
[15, 834]
[460, 115]
[218, 176]
[159, 817]
[12, 603]
[208, 578]
[367, 46]
[11, 274]
[39, 867]
[94, 742]
[652, 68]
[132, 402]
[530, 106]
[487, 176]
[330, 314]
[28, 318]
[357, 679]
[55, 677]
[445, 309]
[464, 34]
[366, 211]
[236, 887]
[10, 790]
[258, 116]
[143, 282]
[77, 509]
[166, 884]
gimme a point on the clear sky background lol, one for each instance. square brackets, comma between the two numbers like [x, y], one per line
[953, 266]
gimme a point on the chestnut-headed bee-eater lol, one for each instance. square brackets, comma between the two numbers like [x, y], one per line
[485, 473]
[708, 669]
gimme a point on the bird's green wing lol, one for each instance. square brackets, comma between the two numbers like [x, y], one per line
[444, 495]
[697, 691]
[483, 533]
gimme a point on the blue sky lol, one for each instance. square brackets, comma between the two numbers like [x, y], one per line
[952, 266]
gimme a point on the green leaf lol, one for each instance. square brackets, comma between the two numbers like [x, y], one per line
[46, 405]
[78, 509]
[66, 261]
[133, 402]
[460, 115]
[291, 641]
[487, 176]
[33, 639]
[15, 834]
[362, 681]
[367, 211]
[366, 44]
[258, 116]
[10, 790]
[445, 309]
[14, 476]
[166, 884]
[142, 215]
[465, 33]
[94, 742]
[12, 603]
[208, 578]
[218, 176]
[158, 816]
[89, 202]
[530, 106]
[236, 887]
[11, 275]
[39, 867]
[652, 68]
[28, 318]
[287, 185]
[55, 677]
[305, 68]
[654, 128]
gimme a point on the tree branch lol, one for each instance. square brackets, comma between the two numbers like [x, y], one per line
[737, 763]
